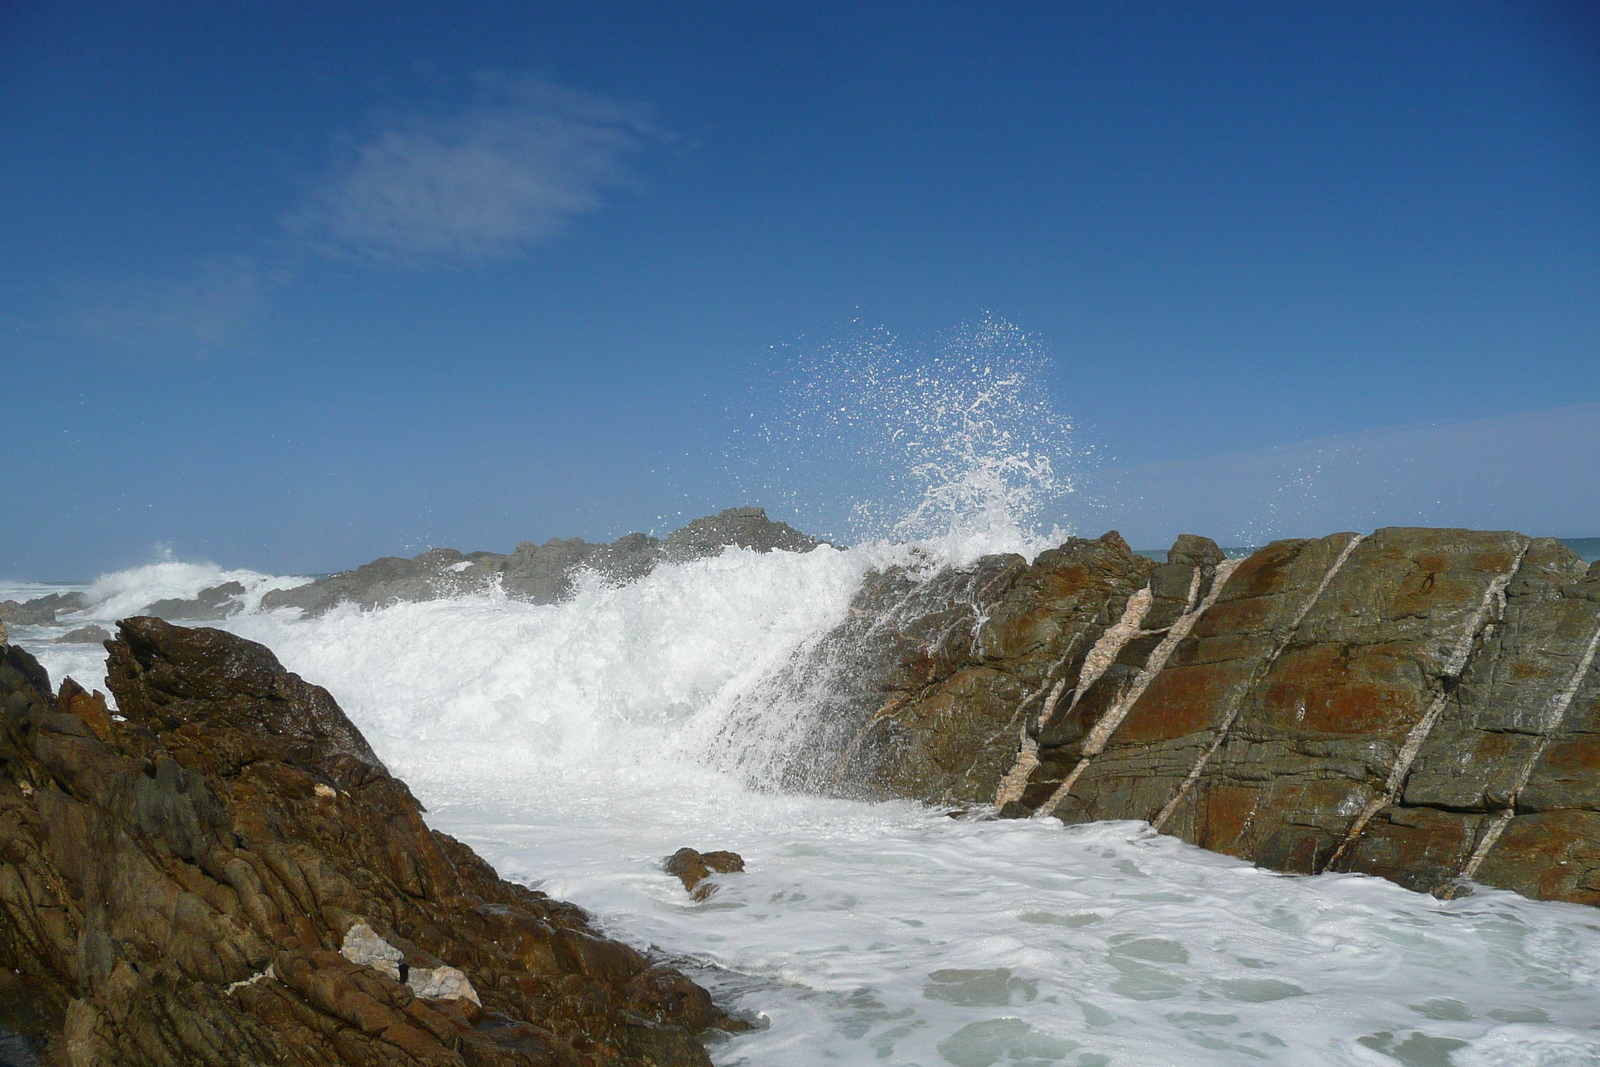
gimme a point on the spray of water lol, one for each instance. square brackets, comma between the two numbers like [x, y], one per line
[878, 437]
[122, 593]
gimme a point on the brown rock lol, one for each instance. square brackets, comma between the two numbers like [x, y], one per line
[1418, 704]
[176, 888]
[693, 868]
[933, 683]
[90, 707]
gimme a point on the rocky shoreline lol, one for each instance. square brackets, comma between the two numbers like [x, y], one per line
[224, 873]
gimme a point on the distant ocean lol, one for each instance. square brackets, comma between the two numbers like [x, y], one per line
[1587, 547]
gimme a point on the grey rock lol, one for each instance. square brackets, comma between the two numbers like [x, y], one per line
[85, 635]
[538, 574]
[218, 602]
[436, 573]
[41, 611]
[744, 527]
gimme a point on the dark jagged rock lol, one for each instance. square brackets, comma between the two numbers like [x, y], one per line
[744, 527]
[1418, 704]
[228, 875]
[218, 602]
[693, 868]
[539, 574]
[41, 611]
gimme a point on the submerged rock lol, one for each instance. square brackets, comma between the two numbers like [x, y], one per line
[693, 868]
[539, 574]
[227, 874]
[1419, 704]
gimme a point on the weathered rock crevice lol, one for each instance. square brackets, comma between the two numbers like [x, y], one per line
[925, 689]
[1099, 735]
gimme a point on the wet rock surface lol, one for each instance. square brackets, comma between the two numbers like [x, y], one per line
[934, 681]
[224, 873]
[540, 574]
[1418, 704]
[693, 868]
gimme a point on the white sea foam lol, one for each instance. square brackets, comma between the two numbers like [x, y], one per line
[123, 593]
[639, 676]
[120, 594]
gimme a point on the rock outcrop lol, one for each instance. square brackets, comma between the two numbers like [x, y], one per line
[224, 873]
[540, 574]
[84, 635]
[1418, 704]
[692, 868]
[41, 610]
[218, 602]
[927, 684]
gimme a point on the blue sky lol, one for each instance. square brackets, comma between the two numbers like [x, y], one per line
[293, 286]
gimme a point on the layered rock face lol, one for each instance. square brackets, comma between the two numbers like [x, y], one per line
[224, 873]
[927, 685]
[540, 574]
[1418, 704]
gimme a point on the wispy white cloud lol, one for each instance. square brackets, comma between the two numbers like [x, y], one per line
[214, 309]
[431, 188]
[478, 184]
